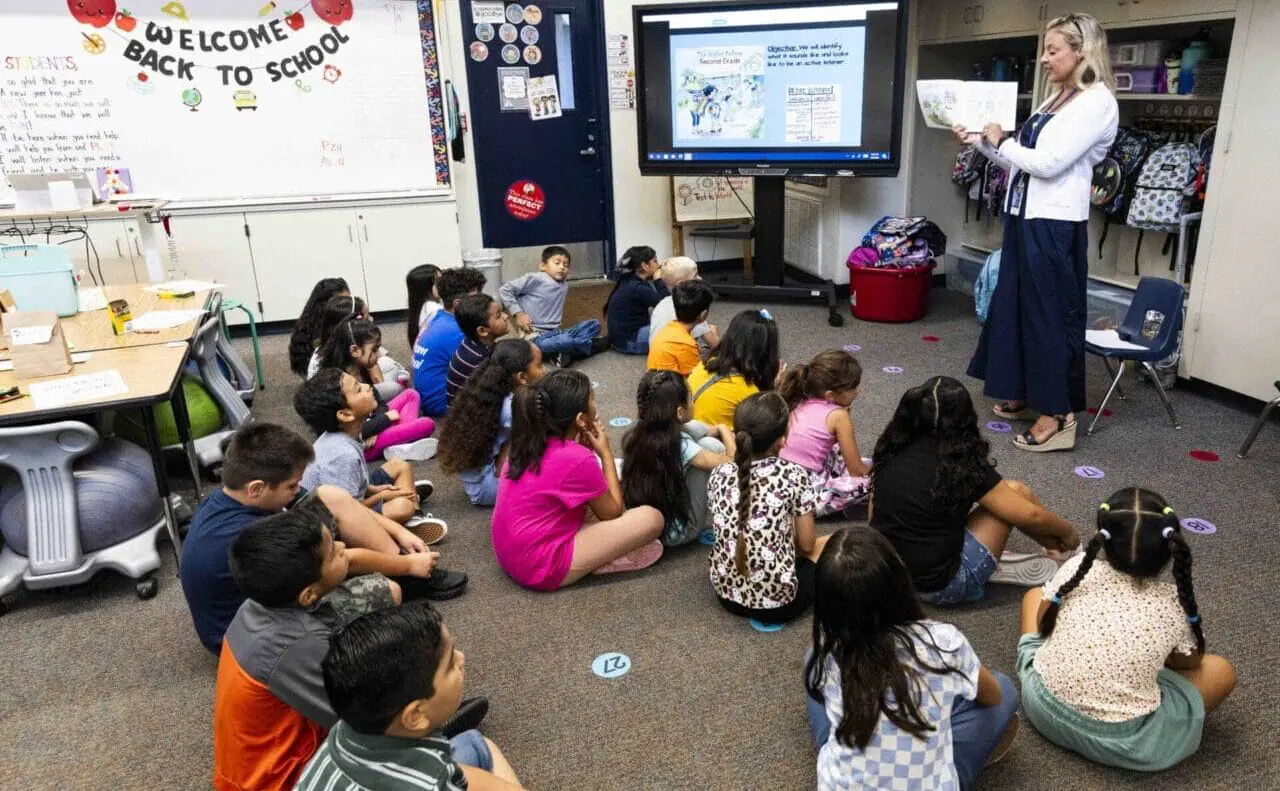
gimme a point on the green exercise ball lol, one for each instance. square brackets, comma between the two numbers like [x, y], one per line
[206, 418]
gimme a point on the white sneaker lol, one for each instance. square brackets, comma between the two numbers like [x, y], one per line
[1025, 569]
[421, 450]
[428, 528]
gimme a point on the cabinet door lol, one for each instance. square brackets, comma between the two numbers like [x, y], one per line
[294, 249]
[979, 18]
[933, 16]
[1164, 9]
[1105, 11]
[214, 248]
[107, 256]
[394, 239]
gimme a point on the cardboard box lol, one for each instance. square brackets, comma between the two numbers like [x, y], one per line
[36, 344]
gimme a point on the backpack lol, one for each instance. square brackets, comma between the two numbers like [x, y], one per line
[968, 171]
[995, 183]
[1115, 177]
[1205, 149]
[905, 237]
[1160, 193]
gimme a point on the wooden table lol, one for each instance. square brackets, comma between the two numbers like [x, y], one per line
[153, 375]
[89, 331]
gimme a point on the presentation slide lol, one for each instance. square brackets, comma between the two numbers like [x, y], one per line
[768, 88]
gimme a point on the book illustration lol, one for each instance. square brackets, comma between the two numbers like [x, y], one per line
[972, 104]
[720, 92]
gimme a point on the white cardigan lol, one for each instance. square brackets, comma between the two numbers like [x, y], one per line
[1061, 165]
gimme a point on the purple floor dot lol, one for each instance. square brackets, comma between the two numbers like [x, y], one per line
[999, 427]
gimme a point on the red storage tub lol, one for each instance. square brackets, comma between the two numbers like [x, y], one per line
[884, 294]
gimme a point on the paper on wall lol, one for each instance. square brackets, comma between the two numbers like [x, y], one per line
[491, 11]
[971, 103]
[544, 98]
[622, 88]
[77, 389]
[513, 88]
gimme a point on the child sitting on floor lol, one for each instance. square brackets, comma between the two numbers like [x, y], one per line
[305, 338]
[674, 271]
[270, 709]
[475, 432]
[395, 676]
[664, 466]
[673, 348]
[931, 467]
[744, 363]
[482, 321]
[761, 510]
[821, 438]
[1111, 658]
[423, 299]
[339, 308]
[336, 407]
[634, 295]
[435, 346]
[535, 303]
[895, 700]
[394, 429]
[560, 464]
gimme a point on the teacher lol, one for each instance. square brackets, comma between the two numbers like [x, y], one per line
[1031, 352]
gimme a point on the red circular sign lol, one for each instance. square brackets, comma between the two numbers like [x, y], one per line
[525, 200]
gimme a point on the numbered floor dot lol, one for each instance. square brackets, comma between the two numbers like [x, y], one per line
[1091, 473]
[1199, 526]
[611, 665]
[891, 369]
[853, 348]
[707, 538]
[999, 427]
[1204, 455]
[620, 422]
[761, 626]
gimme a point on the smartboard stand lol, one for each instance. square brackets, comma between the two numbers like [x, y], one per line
[769, 266]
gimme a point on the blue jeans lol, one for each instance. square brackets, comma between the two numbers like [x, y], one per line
[976, 567]
[638, 345]
[975, 729]
[470, 749]
[576, 340]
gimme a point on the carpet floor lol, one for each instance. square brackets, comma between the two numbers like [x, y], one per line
[101, 691]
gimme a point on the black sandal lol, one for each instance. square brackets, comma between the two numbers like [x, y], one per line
[1062, 439]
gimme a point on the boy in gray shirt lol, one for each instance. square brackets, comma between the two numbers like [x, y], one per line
[536, 304]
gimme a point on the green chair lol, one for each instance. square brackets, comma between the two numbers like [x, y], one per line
[233, 304]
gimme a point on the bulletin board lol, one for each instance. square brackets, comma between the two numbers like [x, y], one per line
[226, 100]
[711, 198]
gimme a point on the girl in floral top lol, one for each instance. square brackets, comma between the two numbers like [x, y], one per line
[1112, 658]
[761, 507]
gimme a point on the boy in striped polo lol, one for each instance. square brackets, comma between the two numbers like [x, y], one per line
[395, 677]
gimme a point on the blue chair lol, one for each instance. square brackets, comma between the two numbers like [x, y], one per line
[1154, 293]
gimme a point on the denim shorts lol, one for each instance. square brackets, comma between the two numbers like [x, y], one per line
[379, 477]
[976, 567]
[470, 749]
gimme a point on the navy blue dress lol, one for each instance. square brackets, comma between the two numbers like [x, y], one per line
[1032, 346]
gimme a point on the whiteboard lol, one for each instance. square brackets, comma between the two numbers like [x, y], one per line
[702, 198]
[226, 100]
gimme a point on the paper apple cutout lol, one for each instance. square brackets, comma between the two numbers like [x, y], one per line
[335, 12]
[126, 21]
[98, 13]
[295, 20]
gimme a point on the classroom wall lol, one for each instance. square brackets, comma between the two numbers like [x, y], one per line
[453, 68]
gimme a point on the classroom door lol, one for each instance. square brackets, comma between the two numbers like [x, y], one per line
[539, 121]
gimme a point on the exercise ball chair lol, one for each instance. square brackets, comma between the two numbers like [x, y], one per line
[205, 417]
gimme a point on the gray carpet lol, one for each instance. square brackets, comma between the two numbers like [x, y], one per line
[101, 691]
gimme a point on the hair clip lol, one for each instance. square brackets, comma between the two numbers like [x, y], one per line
[1055, 599]
[1167, 533]
[1106, 534]
[1168, 510]
[1193, 619]
[1105, 507]
[766, 315]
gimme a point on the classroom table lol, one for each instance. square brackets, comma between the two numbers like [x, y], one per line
[89, 331]
[153, 375]
[36, 221]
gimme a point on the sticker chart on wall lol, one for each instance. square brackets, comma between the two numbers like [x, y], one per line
[226, 101]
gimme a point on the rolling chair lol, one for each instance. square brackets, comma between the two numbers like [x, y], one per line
[1153, 293]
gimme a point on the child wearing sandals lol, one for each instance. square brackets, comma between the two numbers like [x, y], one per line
[558, 467]
[664, 465]
[476, 429]
[895, 700]
[821, 438]
[761, 509]
[1112, 658]
[931, 467]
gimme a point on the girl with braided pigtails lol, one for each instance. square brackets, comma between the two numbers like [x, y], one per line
[1112, 658]
[664, 465]
[761, 510]
[559, 465]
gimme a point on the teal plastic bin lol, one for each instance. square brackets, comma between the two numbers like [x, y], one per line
[39, 276]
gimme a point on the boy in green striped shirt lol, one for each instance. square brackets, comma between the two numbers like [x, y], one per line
[395, 677]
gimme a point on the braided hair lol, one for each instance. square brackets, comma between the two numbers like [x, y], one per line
[1140, 533]
[759, 421]
[545, 409]
[652, 473]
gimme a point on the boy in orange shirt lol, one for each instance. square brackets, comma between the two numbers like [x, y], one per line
[673, 347]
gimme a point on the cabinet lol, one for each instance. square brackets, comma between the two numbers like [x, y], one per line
[949, 20]
[216, 248]
[394, 239]
[293, 249]
[1122, 11]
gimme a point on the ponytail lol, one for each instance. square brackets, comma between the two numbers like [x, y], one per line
[795, 384]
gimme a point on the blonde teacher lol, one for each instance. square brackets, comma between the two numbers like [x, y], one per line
[1031, 352]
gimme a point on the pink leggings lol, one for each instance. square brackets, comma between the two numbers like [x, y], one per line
[408, 428]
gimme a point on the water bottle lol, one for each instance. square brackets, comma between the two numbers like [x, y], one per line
[1151, 324]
